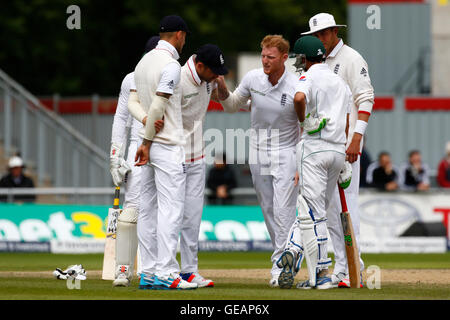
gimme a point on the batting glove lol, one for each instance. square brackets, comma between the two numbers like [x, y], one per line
[345, 176]
[313, 125]
[118, 166]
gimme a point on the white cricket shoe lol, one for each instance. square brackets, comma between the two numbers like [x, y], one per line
[172, 282]
[336, 278]
[195, 277]
[345, 282]
[122, 276]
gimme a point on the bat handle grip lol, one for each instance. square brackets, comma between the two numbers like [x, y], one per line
[342, 197]
[116, 198]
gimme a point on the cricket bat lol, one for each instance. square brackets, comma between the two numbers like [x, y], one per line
[109, 257]
[351, 247]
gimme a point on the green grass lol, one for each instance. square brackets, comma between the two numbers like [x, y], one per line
[214, 260]
[225, 289]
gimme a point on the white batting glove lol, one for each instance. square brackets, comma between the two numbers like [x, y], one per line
[313, 125]
[345, 176]
[117, 164]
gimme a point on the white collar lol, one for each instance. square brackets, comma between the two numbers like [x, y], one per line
[336, 49]
[164, 45]
[318, 66]
[191, 66]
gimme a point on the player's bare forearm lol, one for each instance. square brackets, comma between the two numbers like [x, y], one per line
[143, 153]
[300, 105]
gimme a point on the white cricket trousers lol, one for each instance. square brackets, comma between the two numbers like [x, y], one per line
[161, 209]
[273, 181]
[334, 223]
[319, 166]
[132, 187]
[192, 216]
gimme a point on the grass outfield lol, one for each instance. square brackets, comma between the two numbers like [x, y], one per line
[28, 276]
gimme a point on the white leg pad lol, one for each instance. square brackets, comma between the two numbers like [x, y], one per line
[311, 247]
[309, 238]
[126, 239]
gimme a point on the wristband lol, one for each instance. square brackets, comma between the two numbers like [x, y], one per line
[360, 127]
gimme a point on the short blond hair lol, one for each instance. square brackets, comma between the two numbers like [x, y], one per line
[277, 41]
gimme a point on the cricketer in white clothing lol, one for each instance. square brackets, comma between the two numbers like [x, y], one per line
[157, 76]
[322, 103]
[126, 236]
[350, 66]
[196, 88]
[275, 132]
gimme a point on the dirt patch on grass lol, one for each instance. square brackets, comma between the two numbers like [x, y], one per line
[404, 276]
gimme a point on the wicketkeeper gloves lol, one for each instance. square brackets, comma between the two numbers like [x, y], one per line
[313, 125]
[72, 272]
[345, 176]
[118, 166]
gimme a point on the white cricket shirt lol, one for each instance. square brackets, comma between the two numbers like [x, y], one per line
[122, 118]
[159, 71]
[195, 97]
[327, 95]
[351, 66]
[273, 118]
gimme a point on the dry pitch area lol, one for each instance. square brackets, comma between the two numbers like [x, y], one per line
[237, 276]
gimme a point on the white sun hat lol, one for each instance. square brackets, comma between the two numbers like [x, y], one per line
[321, 21]
[15, 162]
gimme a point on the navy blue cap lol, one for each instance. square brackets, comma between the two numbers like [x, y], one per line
[173, 23]
[211, 56]
[151, 43]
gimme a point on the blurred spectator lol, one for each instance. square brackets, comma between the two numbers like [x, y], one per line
[414, 175]
[443, 174]
[384, 175]
[16, 179]
[221, 180]
[365, 161]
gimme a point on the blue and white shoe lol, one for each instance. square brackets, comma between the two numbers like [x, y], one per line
[321, 284]
[147, 281]
[287, 274]
[172, 282]
[324, 283]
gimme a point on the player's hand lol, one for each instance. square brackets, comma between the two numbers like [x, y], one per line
[296, 178]
[222, 89]
[353, 149]
[159, 124]
[143, 154]
[144, 121]
[117, 165]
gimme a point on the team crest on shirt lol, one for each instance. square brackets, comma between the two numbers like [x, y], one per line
[336, 68]
[283, 99]
[208, 88]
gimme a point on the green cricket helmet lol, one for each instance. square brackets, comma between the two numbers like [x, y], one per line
[307, 48]
[311, 47]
